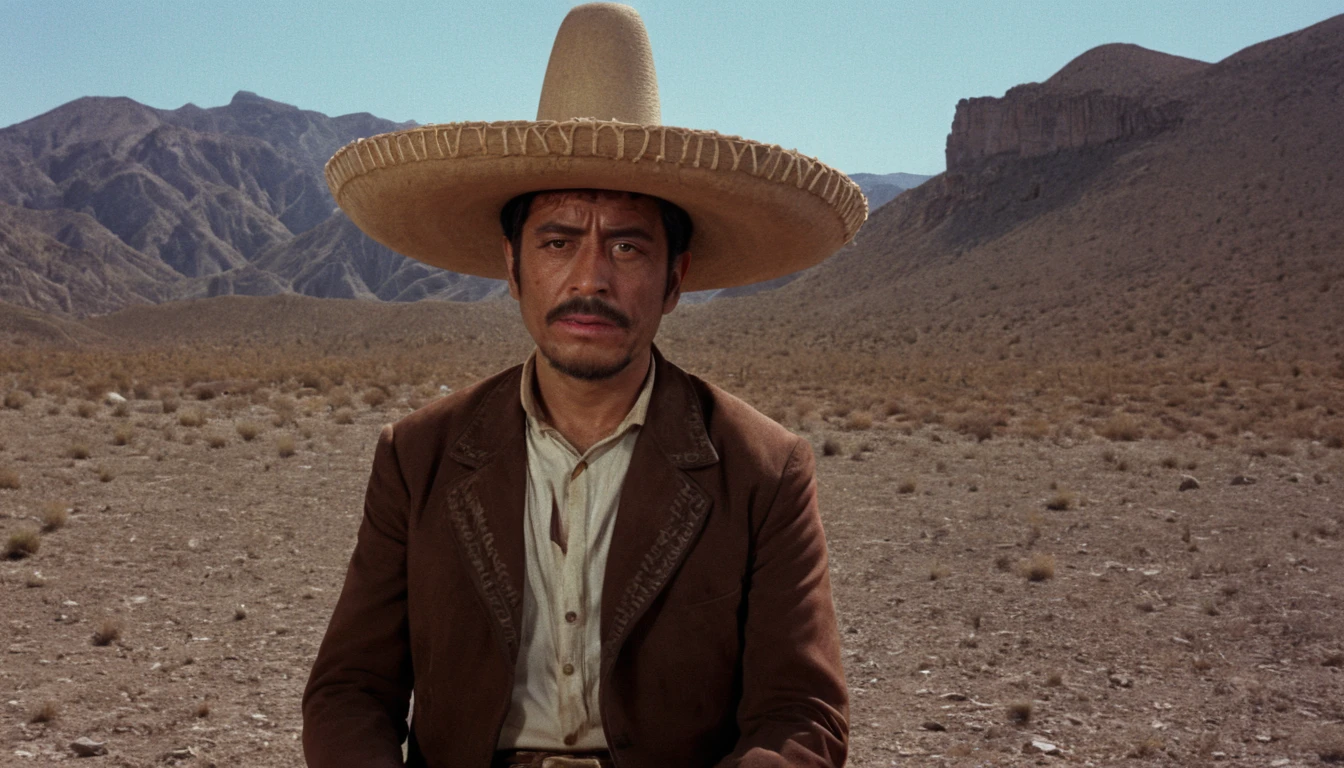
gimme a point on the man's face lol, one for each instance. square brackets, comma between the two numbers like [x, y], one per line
[593, 281]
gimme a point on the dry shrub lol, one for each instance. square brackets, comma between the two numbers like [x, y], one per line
[1148, 747]
[1034, 428]
[122, 434]
[939, 571]
[284, 445]
[9, 480]
[121, 410]
[248, 430]
[1121, 427]
[374, 397]
[831, 447]
[216, 441]
[979, 425]
[105, 475]
[203, 709]
[1019, 712]
[107, 633]
[191, 418]
[86, 409]
[344, 416]
[1054, 680]
[23, 543]
[16, 399]
[1062, 501]
[55, 514]
[46, 713]
[78, 450]
[906, 486]
[859, 420]
[169, 404]
[1039, 567]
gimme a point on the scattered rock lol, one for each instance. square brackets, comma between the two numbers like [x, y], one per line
[954, 696]
[1037, 747]
[1120, 681]
[115, 399]
[1189, 483]
[1296, 477]
[86, 747]
[1243, 480]
[933, 725]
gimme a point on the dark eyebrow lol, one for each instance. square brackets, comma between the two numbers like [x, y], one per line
[556, 228]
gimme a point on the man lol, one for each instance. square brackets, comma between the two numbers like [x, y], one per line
[595, 558]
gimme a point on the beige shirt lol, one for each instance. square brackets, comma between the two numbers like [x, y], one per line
[570, 514]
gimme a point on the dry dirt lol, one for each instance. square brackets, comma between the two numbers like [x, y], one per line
[1179, 627]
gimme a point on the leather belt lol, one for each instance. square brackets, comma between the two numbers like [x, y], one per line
[534, 759]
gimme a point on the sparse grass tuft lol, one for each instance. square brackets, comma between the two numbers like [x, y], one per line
[16, 399]
[284, 445]
[78, 450]
[248, 430]
[170, 404]
[1019, 712]
[939, 571]
[9, 480]
[105, 475]
[1121, 427]
[1146, 748]
[203, 709]
[217, 441]
[23, 543]
[191, 418]
[906, 486]
[55, 514]
[831, 447]
[978, 425]
[45, 713]
[122, 434]
[343, 416]
[1054, 680]
[1039, 567]
[86, 409]
[859, 420]
[108, 632]
[374, 397]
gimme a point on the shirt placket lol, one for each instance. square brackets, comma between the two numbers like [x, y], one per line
[571, 612]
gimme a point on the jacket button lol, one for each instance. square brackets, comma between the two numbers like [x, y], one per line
[571, 740]
[571, 617]
[568, 669]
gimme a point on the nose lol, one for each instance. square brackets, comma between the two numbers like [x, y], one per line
[590, 273]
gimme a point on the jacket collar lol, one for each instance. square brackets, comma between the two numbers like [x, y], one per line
[675, 420]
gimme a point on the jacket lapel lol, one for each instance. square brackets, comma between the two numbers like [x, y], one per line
[485, 508]
[661, 508]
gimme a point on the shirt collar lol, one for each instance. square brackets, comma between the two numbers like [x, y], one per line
[635, 418]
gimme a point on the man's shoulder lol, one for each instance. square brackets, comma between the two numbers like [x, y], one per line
[442, 422]
[741, 434]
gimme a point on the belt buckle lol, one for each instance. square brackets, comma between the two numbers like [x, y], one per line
[557, 761]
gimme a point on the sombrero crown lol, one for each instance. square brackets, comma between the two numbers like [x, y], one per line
[434, 193]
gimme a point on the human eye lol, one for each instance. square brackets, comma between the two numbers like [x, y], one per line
[625, 249]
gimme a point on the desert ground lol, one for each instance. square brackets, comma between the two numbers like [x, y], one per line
[1016, 565]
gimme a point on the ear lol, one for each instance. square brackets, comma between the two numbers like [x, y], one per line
[676, 276]
[514, 291]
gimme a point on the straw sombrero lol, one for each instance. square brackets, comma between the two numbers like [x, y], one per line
[434, 193]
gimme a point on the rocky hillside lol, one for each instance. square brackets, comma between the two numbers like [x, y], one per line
[1202, 220]
[106, 202]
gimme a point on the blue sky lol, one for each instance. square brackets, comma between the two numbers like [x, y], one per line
[864, 85]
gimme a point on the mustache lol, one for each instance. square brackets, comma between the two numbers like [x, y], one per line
[588, 305]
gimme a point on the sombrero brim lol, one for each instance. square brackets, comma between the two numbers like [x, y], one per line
[434, 193]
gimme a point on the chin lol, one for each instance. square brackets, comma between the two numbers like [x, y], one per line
[588, 367]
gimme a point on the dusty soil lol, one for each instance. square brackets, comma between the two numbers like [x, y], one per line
[1166, 626]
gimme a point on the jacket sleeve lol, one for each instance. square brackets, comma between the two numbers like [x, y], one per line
[794, 708]
[354, 707]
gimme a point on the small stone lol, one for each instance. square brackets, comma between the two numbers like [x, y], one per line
[1120, 681]
[1189, 483]
[932, 725]
[954, 696]
[1218, 755]
[1294, 478]
[1243, 480]
[115, 399]
[1038, 747]
[86, 747]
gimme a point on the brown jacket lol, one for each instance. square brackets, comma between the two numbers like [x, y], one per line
[719, 641]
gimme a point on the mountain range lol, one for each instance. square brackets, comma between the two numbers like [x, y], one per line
[106, 202]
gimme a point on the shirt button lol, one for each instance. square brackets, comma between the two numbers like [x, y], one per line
[568, 669]
[571, 617]
[571, 740]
